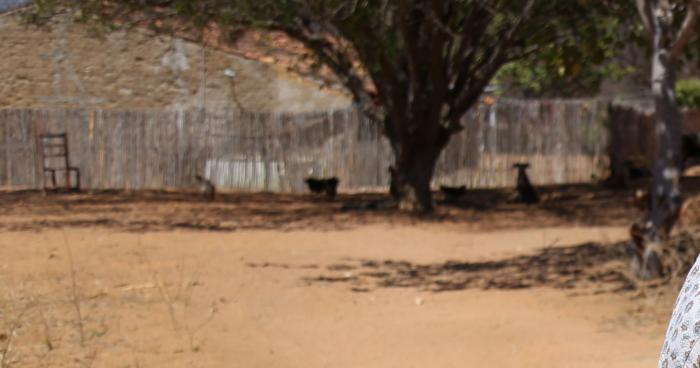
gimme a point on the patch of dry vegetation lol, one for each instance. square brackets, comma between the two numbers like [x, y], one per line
[48, 322]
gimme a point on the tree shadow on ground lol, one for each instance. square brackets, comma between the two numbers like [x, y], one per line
[586, 265]
[141, 211]
[575, 203]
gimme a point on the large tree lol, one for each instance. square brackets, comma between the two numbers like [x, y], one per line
[670, 25]
[415, 66]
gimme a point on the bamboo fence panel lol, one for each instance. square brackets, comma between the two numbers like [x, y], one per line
[565, 141]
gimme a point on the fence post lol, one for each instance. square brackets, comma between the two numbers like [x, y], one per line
[5, 144]
[3, 174]
[181, 146]
[492, 138]
[264, 153]
[559, 165]
[38, 182]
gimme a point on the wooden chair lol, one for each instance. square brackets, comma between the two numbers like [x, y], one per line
[53, 153]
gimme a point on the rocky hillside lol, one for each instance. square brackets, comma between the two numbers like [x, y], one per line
[66, 65]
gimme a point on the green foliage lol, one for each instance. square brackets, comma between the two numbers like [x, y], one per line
[578, 62]
[688, 93]
[540, 79]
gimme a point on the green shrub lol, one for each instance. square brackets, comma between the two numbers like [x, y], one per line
[688, 93]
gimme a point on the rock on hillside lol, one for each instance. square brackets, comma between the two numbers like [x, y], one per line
[66, 65]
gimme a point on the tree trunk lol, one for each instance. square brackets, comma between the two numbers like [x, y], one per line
[414, 172]
[415, 160]
[665, 193]
[665, 190]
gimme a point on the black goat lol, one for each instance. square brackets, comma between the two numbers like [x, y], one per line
[526, 192]
[690, 149]
[323, 185]
[453, 194]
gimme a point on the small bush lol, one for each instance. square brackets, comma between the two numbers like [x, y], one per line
[688, 93]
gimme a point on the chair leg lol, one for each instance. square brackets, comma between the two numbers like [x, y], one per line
[77, 178]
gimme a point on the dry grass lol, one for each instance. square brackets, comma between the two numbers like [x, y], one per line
[44, 323]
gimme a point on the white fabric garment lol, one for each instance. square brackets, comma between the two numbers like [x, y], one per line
[681, 347]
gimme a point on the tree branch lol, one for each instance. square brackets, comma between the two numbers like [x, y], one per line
[490, 64]
[645, 13]
[687, 29]
[336, 60]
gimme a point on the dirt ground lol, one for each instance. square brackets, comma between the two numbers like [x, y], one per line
[166, 279]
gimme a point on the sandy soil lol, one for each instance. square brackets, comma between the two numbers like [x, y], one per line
[166, 280]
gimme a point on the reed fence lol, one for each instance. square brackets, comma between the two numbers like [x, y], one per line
[565, 141]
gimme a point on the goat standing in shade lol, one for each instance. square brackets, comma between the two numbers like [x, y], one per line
[323, 185]
[526, 192]
[453, 194]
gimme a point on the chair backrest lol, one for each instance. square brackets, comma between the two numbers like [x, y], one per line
[54, 150]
